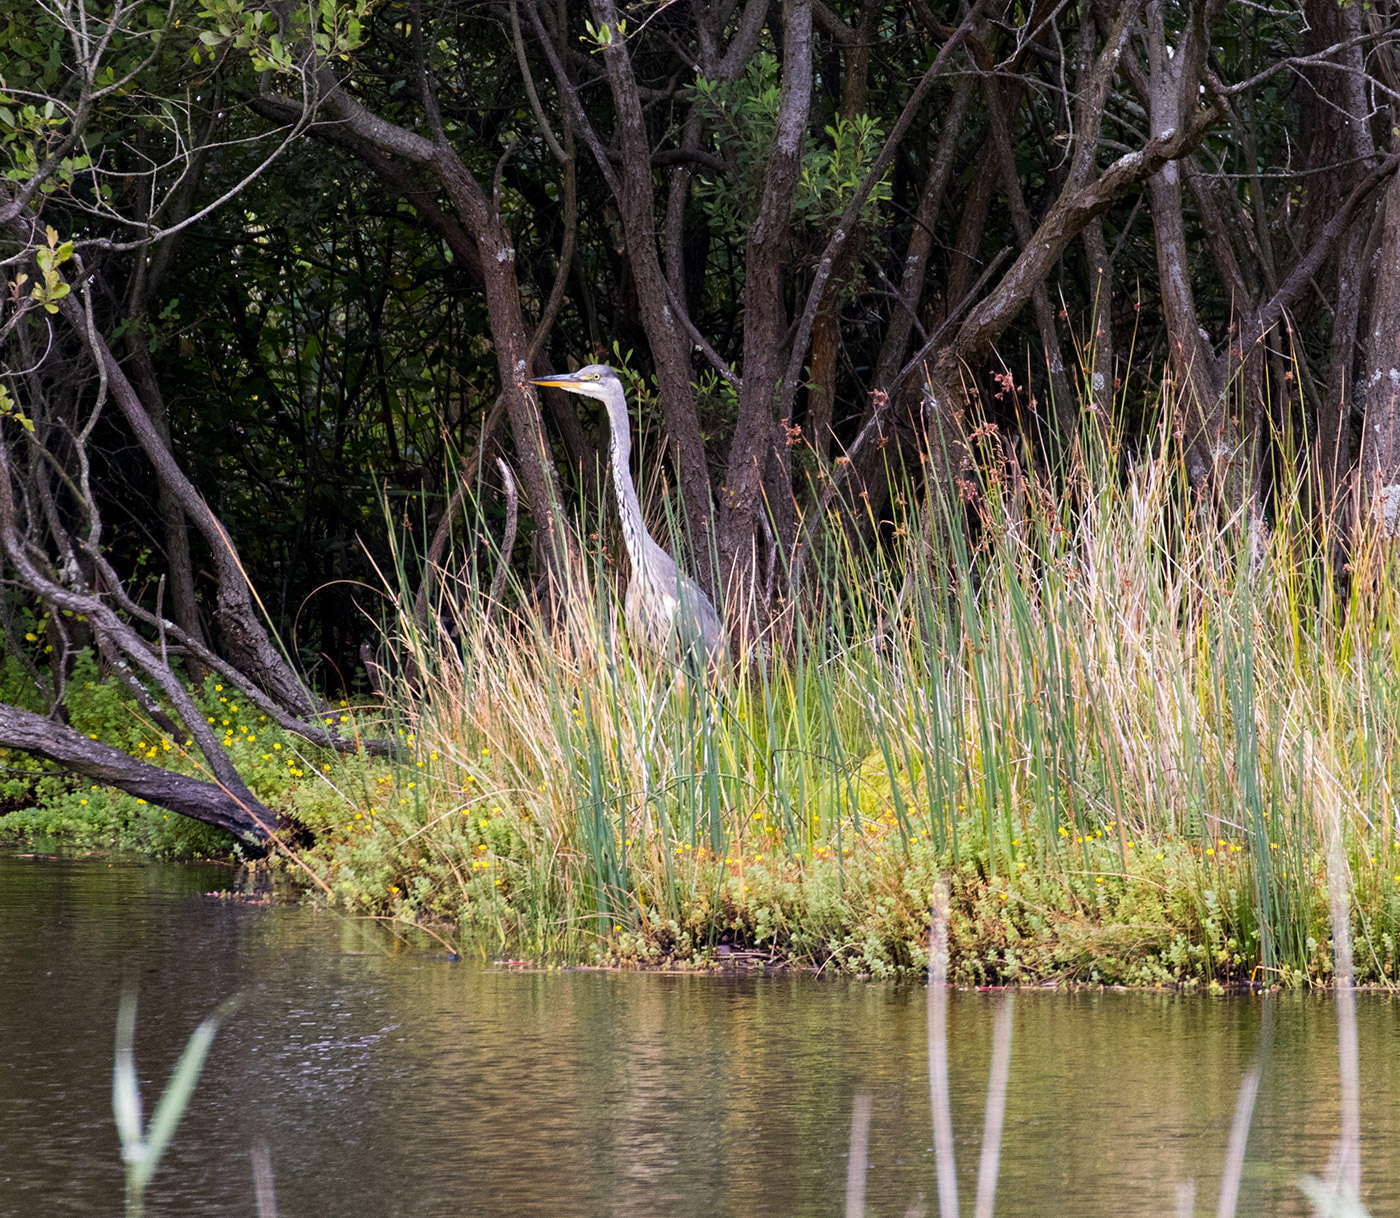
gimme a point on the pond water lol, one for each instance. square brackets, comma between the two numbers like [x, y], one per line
[388, 1082]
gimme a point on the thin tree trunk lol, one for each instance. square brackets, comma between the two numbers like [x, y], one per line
[245, 638]
[1380, 446]
[146, 279]
[765, 319]
[1333, 429]
[1196, 372]
[868, 463]
[964, 265]
[512, 346]
[1343, 130]
[895, 346]
[826, 330]
[1101, 373]
[1066, 408]
[180, 567]
[670, 346]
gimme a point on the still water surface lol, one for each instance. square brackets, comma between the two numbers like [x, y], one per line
[389, 1083]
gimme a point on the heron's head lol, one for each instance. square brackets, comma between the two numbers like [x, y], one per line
[594, 381]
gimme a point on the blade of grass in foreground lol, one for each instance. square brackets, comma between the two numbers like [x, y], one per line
[142, 1149]
[989, 1167]
[938, 1056]
[855, 1169]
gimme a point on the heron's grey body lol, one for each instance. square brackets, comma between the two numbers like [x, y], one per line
[664, 606]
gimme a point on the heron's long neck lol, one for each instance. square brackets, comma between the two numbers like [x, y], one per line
[629, 508]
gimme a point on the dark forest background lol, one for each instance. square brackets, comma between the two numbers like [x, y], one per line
[313, 250]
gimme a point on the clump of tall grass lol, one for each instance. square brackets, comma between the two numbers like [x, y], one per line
[1107, 708]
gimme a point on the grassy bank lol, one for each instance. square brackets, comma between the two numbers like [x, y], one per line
[1121, 735]
[1124, 727]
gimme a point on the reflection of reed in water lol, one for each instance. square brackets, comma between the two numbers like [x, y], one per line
[1335, 1195]
[572, 1075]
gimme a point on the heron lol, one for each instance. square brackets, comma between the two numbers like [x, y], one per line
[664, 606]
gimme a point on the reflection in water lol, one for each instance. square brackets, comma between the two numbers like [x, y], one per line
[389, 1083]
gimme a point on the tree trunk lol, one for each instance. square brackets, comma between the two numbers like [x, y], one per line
[1196, 373]
[821, 385]
[670, 347]
[1340, 130]
[1333, 428]
[247, 819]
[1102, 373]
[511, 342]
[1380, 445]
[765, 319]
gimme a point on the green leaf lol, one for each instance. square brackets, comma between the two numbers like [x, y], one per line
[49, 296]
[176, 1098]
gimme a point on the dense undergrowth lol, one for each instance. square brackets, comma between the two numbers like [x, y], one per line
[41, 802]
[1122, 727]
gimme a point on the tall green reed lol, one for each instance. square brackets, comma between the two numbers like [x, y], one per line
[1012, 677]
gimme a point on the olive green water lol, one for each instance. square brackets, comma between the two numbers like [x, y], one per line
[388, 1083]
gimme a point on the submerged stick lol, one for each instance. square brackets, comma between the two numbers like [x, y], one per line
[938, 1055]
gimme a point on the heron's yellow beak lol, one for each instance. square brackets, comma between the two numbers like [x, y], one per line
[555, 382]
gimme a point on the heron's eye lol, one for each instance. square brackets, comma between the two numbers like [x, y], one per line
[592, 376]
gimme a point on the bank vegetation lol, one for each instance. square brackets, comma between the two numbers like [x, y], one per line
[1019, 381]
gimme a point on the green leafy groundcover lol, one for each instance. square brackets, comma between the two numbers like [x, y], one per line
[39, 801]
